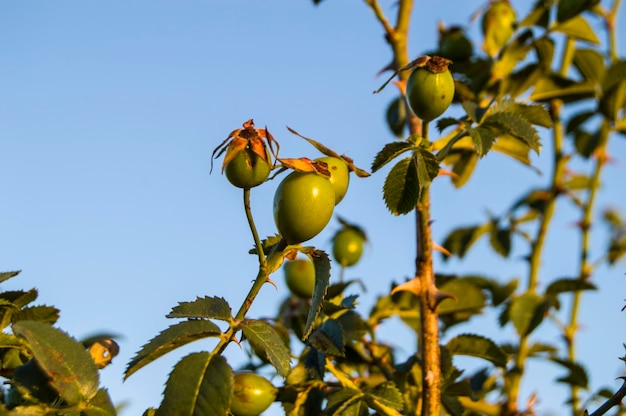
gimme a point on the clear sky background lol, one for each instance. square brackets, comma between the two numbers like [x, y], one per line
[109, 112]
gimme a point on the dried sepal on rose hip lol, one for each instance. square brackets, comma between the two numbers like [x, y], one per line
[247, 162]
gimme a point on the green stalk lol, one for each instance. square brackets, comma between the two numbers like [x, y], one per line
[585, 268]
[261, 278]
[538, 243]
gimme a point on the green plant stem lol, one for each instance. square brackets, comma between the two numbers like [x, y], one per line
[261, 278]
[611, 30]
[585, 267]
[538, 243]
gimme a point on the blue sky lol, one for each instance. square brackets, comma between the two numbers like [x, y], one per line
[109, 113]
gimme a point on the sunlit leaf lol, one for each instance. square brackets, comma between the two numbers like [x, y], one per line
[578, 28]
[555, 86]
[477, 346]
[264, 337]
[173, 337]
[198, 385]
[590, 63]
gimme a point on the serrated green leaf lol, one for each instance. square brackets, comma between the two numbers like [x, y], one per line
[203, 308]
[387, 394]
[100, 405]
[568, 285]
[515, 125]
[527, 311]
[460, 240]
[329, 338]
[19, 298]
[578, 28]
[41, 313]
[72, 371]
[264, 336]
[590, 64]
[199, 385]
[482, 139]
[477, 346]
[7, 275]
[577, 375]
[427, 166]
[402, 188]
[173, 337]
[321, 262]
[536, 114]
[389, 152]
